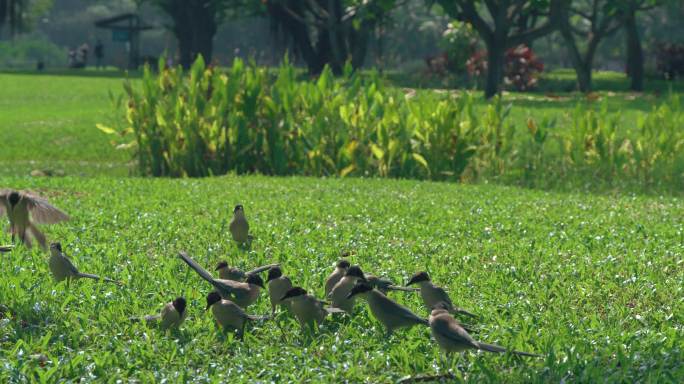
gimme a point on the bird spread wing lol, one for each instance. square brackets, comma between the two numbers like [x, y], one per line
[43, 212]
[454, 332]
[193, 264]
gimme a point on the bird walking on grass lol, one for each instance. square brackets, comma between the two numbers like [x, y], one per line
[391, 314]
[339, 296]
[229, 315]
[24, 209]
[433, 294]
[307, 309]
[278, 285]
[242, 294]
[336, 275]
[452, 337]
[227, 272]
[171, 316]
[239, 227]
[63, 268]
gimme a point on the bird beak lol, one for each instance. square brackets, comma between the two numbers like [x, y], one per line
[207, 308]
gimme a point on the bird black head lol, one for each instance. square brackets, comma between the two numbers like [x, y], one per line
[343, 263]
[56, 246]
[14, 198]
[212, 298]
[255, 279]
[418, 277]
[294, 292]
[274, 273]
[355, 271]
[179, 304]
[221, 265]
[360, 287]
[238, 208]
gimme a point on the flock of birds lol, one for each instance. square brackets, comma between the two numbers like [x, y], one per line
[234, 290]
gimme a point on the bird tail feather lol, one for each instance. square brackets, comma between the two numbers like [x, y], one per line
[193, 264]
[258, 318]
[148, 318]
[499, 349]
[400, 288]
[460, 311]
[261, 269]
[334, 310]
[96, 277]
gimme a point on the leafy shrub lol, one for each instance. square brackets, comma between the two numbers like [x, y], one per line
[26, 51]
[670, 59]
[245, 121]
[521, 67]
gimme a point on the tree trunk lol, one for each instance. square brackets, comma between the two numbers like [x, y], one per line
[583, 77]
[194, 27]
[635, 55]
[495, 62]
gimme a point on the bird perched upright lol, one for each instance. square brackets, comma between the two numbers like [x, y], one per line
[452, 337]
[336, 275]
[23, 209]
[339, 294]
[242, 294]
[385, 285]
[307, 309]
[231, 273]
[278, 285]
[228, 314]
[239, 227]
[433, 295]
[63, 269]
[172, 314]
[391, 314]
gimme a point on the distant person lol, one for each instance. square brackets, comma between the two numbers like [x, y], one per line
[99, 54]
[83, 54]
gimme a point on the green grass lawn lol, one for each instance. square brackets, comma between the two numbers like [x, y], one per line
[594, 282]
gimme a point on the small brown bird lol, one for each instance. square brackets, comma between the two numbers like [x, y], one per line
[385, 285]
[242, 294]
[433, 295]
[63, 269]
[23, 209]
[228, 314]
[339, 295]
[336, 276]
[307, 309]
[391, 314]
[231, 273]
[451, 336]
[278, 285]
[172, 315]
[239, 227]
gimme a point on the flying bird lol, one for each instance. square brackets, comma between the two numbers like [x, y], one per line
[23, 210]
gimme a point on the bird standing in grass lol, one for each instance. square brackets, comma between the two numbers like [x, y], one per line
[307, 309]
[23, 209]
[242, 294]
[231, 273]
[239, 227]
[451, 337]
[339, 294]
[278, 285]
[228, 314]
[172, 315]
[433, 295]
[336, 275]
[63, 269]
[391, 314]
